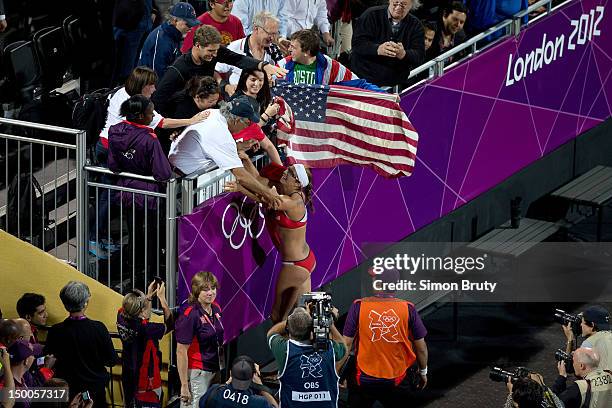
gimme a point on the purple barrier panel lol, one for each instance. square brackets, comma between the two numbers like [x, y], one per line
[478, 124]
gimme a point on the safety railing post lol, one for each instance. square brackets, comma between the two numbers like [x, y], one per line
[186, 196]
[82, 202]
[171, 244]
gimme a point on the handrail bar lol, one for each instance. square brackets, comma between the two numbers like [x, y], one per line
[40, 126]
[104, 170]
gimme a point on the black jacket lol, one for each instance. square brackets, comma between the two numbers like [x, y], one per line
[184, 68]
[374, 28]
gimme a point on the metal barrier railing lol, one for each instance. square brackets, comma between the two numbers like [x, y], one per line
[478, 43]
[131, 232]
[42, 192]
[208, 183]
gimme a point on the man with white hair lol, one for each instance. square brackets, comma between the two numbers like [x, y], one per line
[259, 44]
[388, 41]
[212, 142]
[592, 390]
[245, 10]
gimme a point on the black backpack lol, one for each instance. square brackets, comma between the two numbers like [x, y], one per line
[21, 190]
[90, 111]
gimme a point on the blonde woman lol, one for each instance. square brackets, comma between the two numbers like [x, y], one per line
[141, 358]
[199, 337]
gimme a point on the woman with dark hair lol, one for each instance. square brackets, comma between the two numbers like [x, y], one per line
[200, 93]
[254, 84]
[134, 148]
[287, 228]
[141, 81]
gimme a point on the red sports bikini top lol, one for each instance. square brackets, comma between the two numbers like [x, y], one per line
[284, 221]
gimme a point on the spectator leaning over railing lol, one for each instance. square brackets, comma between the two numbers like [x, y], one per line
[199, 337]
[141, 81]
[387, 43]
[254, 85]
[162, 45]
[259, 44]
[31, 306]
[308, 65]
[219, 16]
[212, 142]
[83, 347]
[141, 357]
[201, 61]
[134, 148]
[450, 29]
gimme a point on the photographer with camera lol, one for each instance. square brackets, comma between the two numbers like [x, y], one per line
[307, 367]
[593, 325]
[390, 348]
[593, 389]
[526, 389]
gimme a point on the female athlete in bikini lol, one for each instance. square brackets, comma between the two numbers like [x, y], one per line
[287, 228]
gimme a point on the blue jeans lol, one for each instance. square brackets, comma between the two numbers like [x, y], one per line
[127, 50]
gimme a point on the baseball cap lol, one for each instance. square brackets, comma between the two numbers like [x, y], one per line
[241, 107]
[185, 11]
[598, 315]
[253, 131]
[242, 373]
[19, 351]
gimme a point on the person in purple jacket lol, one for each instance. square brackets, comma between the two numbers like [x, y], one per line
[141, 358]
[134, 148]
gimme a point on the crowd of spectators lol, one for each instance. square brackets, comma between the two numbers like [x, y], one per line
[79, 351]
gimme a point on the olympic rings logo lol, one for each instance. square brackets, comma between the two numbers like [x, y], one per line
[245, 223]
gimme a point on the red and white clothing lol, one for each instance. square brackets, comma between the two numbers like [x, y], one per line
[114, 115]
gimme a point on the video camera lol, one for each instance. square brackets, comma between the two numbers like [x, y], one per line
[320, 308]
[561, 355]
[562, 317]
[498, 375]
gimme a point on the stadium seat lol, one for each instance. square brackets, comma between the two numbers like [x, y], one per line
[22, 69]
[51, 52]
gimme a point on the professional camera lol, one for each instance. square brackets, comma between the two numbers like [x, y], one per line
[319, 305]
[498, 375]
[561, 355]
[562, 317]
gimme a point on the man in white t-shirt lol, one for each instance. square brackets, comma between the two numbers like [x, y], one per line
[211, 141]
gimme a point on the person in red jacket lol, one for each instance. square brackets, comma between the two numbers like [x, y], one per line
[221, 18]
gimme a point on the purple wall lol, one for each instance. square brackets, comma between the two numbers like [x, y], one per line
[476, 129]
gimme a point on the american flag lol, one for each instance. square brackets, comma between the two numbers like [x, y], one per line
[340, 125]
